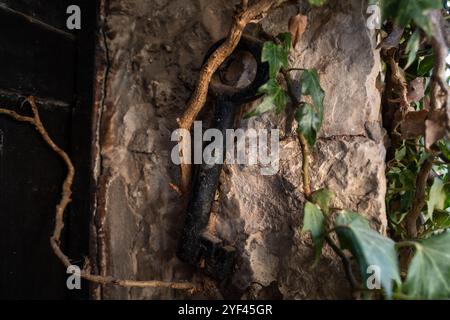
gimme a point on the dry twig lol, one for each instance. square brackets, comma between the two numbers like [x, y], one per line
[251, 14]
[64, 202]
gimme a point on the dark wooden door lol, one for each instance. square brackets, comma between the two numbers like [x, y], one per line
[39, 56]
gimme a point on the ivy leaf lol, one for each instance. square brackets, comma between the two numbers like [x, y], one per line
[314, 222]
[440, 222]
[276, 56]
[407, 179]
[400, 154]
[369, 248]
[322, 198]
[347, 217]
[425, 66]
[412, 47]
[311, 87]
[275, 97]
[405, 11]
[309, 118]
[286, 42]
[273, 89]
[317, 3]
[444, 146]
[429, 272]
[266, 105]
[437, 197]
[309, 123]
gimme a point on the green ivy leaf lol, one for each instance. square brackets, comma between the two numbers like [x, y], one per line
[425, 66]
[368, 248]
[266, 105]
[317, 3]
[286, 41]
[405, 11]
[322, 198]
[311, 87]
[275, 98]
[309, 123]
[309, 117]
[400, 153]
[437, 197]
[412, 47]
[440, 222]
[273, 89]
[444, 146]
[276, 56]
[314, 222]
[429, 272]
[347, 217]
[408, 179]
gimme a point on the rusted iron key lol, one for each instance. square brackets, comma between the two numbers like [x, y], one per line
[197, 246]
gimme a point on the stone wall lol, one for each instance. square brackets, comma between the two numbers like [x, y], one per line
[155, 49]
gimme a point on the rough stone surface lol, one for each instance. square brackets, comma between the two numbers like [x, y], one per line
[156, 49]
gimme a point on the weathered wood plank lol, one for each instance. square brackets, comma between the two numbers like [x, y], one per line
[35, 60]
[52, 12]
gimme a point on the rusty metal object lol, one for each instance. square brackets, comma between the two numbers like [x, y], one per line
[197, 246]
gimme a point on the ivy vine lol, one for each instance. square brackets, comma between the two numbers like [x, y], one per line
[409, 50]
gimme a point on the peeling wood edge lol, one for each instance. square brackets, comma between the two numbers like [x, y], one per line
[98, 237]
